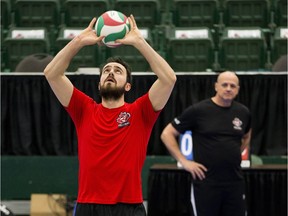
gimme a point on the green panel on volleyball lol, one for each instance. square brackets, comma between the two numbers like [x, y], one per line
[113, 37]
[113, 25]
[100, 25]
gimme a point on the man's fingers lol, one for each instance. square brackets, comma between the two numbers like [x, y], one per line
[91, 24]
[199, 172]
[193, 175]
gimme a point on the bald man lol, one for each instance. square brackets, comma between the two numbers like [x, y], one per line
[221, 129]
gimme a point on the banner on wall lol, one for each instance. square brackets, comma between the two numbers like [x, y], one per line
[186, 148]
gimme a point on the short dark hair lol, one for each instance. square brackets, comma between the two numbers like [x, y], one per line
[122, 62]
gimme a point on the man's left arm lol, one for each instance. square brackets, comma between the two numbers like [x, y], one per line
[161, 89]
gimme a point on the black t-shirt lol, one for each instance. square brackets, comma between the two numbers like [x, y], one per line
[217, 133]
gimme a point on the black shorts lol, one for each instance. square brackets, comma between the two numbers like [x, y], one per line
[120, 209]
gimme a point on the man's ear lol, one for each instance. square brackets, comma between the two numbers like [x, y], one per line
[215, 86]
[127, 87]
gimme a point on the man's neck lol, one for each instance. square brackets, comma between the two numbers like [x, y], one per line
[110, 104]
[221, 102]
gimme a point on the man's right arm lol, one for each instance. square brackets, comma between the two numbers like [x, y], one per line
[168, 137]
[54, 72]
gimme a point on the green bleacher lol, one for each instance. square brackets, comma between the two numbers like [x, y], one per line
[23, 41]
[190, 49]
[159, 17]
[86, 57]
[243, 49]
[78, 13]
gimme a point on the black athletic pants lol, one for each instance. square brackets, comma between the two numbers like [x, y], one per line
[221, 199]
[120, 209]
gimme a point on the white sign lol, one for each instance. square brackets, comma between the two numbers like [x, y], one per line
[183, 34]
[28, 34]
[71, 33]
[244, 33]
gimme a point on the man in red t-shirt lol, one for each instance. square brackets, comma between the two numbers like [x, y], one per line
[112, 135]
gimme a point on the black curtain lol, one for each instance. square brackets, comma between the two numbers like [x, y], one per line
[34, 123]
[169, 191]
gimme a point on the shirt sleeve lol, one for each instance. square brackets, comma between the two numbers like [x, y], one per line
[78, 104]
[149, 114]
[185, 121]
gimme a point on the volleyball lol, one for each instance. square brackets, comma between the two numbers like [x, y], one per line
[113, 25]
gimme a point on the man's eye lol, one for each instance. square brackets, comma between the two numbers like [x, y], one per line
[225, 85]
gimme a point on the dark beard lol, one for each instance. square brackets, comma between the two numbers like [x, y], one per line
[111, 93]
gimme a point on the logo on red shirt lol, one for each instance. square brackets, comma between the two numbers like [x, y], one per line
[123, 118]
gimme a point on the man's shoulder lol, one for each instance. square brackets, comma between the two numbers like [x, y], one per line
[198, 106]
[204, 102]
[240, 106]
[141, 99]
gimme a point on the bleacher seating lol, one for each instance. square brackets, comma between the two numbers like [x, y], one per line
[166, 8]
[246, 13]
[5, 14]
[191, 49]
[22, 42]
[39, 14]
[79, 13]
[131, 55]
[145, 12]
[5, 23]
[243, 49]
[159, 16]
[196, 13]
[87, 57]
[34, 13]
[279, 43]
[281, 13]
